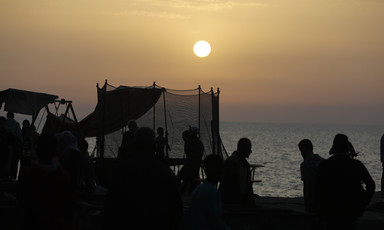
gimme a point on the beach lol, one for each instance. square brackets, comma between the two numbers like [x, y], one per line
[276, 213]
[280, 205]
[373, 217]
[269, 213]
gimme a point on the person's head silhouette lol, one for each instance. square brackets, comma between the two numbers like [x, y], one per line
[244, 147]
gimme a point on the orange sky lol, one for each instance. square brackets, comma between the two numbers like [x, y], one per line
[317, 61]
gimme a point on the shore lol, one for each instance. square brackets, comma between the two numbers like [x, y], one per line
[288, 213]
[272, 213]
[276, 213]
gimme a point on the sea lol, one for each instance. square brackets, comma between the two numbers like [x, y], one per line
[275, 147]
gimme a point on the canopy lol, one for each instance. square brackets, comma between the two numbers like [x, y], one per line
[24, 102]
[116, 106]
[56, 124]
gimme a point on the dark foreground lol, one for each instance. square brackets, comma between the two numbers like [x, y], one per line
[270, 213]
[278, 213]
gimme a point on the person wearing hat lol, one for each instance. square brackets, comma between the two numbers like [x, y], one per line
[341, 197]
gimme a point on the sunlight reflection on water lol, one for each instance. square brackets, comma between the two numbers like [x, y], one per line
[275, 147]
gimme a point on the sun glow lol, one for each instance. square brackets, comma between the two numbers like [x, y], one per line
[202, 49]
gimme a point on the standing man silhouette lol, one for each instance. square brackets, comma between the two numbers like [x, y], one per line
[308, 170]
[126, 147]
[236, 185]
[14, 127]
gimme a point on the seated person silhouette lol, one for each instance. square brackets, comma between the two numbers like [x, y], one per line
[204, 210]
[144, 192]
[344, 187]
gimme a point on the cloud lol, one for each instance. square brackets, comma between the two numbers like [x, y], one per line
[207, 5]
[180, 9]
[147, 13]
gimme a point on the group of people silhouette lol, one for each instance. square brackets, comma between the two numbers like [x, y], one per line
[337, 189]
[51, 172]
[145, 192]
[12, 144]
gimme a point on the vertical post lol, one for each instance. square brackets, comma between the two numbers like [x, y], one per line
[99, 130]
[99, 167]
[101, 134]
[219, 149]
[213, 122]
[154, 111]
[166, 126]
[199, 108]
[66, 111]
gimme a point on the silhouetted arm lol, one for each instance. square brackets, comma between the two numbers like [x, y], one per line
[370, 185]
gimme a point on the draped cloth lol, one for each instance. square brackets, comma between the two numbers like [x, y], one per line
[25, 102]
[116, 107]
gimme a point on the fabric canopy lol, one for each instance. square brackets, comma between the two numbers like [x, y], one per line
[24, 102]
[116, 107]
[55, 124]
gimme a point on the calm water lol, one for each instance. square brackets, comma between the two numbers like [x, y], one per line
[275, 147]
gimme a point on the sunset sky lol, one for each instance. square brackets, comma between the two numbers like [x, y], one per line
[307, 61]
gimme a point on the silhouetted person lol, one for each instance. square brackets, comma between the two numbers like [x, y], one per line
[351, 150]
[126, 147]
[26, 132]
[308, 172]
[7, 143]
[382, 163]
[87, 173]
[43, 191]
[194, 151]
[236, 185]
[340, 195]
[76, 163]
[161, 144]
[204, 209]
[144, 193]
[14, 127]
[29, 141]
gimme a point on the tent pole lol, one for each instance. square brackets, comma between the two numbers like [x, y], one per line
[199, 110]
[154, 111]
[166, 126]
[219, 144]
[213, 122]
[103, 119]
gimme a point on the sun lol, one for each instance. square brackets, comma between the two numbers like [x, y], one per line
[202, 49]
